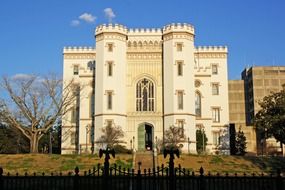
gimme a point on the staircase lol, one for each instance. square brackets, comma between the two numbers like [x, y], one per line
[146, 159]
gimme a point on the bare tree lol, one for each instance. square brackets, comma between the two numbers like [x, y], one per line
[174, 137]
[33, 104]
[111, 136]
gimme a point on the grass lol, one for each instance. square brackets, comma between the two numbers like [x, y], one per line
[228, 164]
[39, 163]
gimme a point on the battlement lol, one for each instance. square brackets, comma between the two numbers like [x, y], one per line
[79, 49]
[111, 28]
[178, 27]
[145, 31]
[206, 49]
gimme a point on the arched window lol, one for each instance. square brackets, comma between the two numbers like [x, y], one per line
[145, 95]
[198, 104]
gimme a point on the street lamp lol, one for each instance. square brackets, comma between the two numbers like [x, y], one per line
[188, 145]
[87, 131]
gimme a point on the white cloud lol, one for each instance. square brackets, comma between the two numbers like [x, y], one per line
[87, 17]
[75, 23]
[21, 76]
[109, 14]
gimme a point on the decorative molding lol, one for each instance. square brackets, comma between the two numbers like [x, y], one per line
[110, 114]
[171, 114]
[86, 119]
[178, 35]
[144, 56]
[86, 76]
[200, 118]
[111, 36]
[79, 56]
[210, 55]
[202, 75]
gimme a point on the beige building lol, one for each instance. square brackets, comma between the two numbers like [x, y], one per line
[146, 80]
[238, 114]
[259, 82]
[244, 95]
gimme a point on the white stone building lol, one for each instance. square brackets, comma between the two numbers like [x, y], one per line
[146, 80]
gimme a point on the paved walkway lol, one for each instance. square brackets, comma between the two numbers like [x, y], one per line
[146, 159]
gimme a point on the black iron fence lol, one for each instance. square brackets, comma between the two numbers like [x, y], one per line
[160, 178]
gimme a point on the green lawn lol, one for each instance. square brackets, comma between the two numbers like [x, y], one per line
[46, 163]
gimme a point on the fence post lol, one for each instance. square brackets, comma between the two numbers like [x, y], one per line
[279, 182]
[76, 179]
[171, 176]
[1, 179]
[201, 180]
[139, 180]
[107, 153]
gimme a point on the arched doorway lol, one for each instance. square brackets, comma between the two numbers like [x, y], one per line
[145, 137]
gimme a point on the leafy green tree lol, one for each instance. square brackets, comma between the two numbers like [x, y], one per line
[270, 120]
[12, 141]
[201, 141]
[240, 143]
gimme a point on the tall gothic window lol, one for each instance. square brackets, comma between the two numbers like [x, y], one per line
[198, 104]
[145, 95]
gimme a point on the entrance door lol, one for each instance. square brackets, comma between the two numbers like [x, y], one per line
[145, 137]
[141, 137]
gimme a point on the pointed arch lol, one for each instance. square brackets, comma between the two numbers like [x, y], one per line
[145, 95]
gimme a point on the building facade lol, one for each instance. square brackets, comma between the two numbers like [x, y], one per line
[146, 80]
[260, 81]
[238, 115]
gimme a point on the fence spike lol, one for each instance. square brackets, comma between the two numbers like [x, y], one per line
[26, 174]
[278, 172]
[17, 174]
[227, 174]
[35, 174]
[209, 173]
[89, 171]
[43, 174]
[76, 170]
[8, 174]
[218, 174]
[235, 174]
[60, 173]
[201, 171]
[193, 173]
[1, 171]
[85, 173]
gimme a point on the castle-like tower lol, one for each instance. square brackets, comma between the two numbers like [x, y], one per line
[146, 80]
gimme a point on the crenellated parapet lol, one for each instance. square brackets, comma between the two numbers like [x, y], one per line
[211, 52]
[178, 27]
[79, 49]
[79, 52]
[111, 28]
[145, 32]
[207, 49]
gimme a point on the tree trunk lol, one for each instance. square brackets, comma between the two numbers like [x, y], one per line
[34, 143]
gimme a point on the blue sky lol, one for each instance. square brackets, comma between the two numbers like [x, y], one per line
[33, 32]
